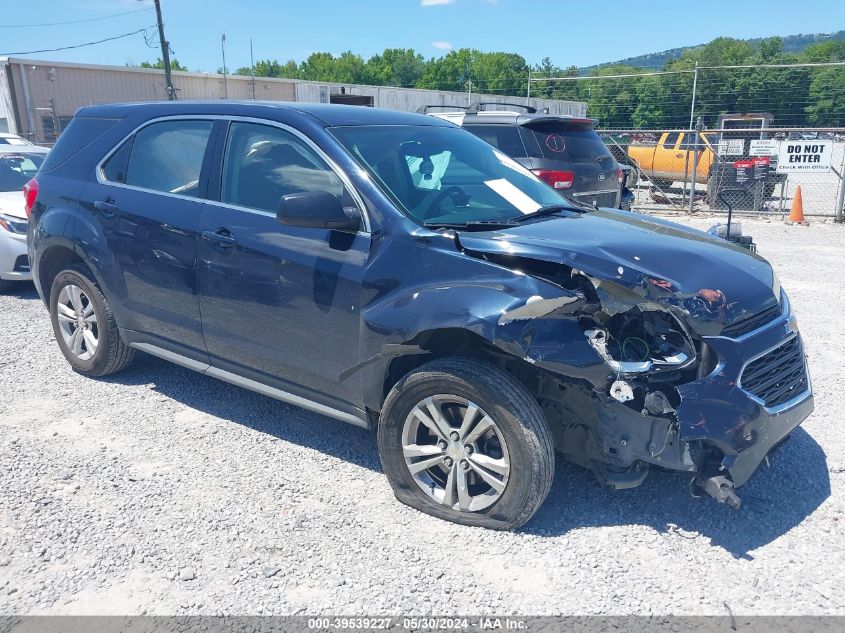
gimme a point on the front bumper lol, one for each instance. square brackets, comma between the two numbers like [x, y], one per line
[718, 411]
[720, 431]
[12, 249]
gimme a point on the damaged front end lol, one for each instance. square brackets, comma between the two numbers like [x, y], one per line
[639, 371]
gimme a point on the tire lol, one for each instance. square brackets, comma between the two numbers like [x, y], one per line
[5, 286]
[110, 354]
[526, 444]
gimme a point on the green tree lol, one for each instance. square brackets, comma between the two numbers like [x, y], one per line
[272, 68]
[158, 63]
[396, 67]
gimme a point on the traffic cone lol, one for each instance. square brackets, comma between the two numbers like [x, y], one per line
[796, 216]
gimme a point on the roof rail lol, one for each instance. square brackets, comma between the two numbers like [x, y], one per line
[478, 106]
[425, 108]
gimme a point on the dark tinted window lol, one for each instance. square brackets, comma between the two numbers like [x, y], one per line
[263, 163]
[17, 169]
[671, 139]
[79, 133]
[114, 169]
[503, 137]
[167, 156]
[571, 143]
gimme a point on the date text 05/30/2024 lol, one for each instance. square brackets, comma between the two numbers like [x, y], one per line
[418, 624]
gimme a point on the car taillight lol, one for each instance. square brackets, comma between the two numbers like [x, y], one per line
[30, 193]
[556, 179]
[620, 176]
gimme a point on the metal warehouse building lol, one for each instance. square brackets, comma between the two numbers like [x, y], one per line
[38, 98]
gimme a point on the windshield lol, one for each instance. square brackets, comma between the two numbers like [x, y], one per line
[442, 175]
[13, 140]
[17, 169]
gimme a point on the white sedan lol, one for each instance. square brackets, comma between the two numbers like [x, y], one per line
[18, 163]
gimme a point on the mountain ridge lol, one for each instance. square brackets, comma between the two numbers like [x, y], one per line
[656, 61]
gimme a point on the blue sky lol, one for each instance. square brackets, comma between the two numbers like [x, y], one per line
[581, 33]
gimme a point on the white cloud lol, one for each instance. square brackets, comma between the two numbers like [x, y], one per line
[432, 3]
[443, 46]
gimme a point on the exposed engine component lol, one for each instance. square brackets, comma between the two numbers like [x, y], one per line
[719, 487]
[621, 391]
[656, 403]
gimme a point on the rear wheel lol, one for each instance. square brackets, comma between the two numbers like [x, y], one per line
[84, 325]
[463, 441]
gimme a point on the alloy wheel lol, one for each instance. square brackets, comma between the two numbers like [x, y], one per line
[456, 452]
[77, 321]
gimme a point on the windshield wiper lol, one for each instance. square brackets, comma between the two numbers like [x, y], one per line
[551, 209]
[472, 224]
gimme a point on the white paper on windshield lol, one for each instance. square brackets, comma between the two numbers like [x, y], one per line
[513, 195]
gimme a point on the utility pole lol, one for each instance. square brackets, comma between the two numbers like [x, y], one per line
[223, 48]
[528, 98]
[165, 54]
[694, 87]
[469, 92]
[699, 126]
[252, 68]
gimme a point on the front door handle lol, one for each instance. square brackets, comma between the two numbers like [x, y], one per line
[107, 207]
[221, 237]
[679, 155]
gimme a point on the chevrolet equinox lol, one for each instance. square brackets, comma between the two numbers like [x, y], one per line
[394, 271]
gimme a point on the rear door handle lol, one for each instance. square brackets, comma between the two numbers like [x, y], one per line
[107, 207]
[221, 237]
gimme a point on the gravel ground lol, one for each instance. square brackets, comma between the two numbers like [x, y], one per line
[163, 491]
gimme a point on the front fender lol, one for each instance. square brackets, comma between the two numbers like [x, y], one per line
[520, 315]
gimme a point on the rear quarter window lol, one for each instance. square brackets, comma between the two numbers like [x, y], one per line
[80, 133]
[571, 143]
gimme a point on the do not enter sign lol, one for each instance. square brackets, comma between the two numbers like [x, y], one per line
[804, 157]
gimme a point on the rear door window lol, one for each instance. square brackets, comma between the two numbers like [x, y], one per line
[503, 137]
[165, 156]
[572, 143]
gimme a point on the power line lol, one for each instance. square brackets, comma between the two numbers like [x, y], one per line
[582, 77]
[102, 17]
[65, 48]
[679, 72]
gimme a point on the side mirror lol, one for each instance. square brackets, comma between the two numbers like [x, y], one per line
[316, 210]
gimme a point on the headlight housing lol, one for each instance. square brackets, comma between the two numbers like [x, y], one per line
[643, 340]
[12, 224]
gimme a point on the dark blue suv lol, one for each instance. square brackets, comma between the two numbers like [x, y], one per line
[394, 271]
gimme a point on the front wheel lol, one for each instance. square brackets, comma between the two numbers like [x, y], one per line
[84, 326]
[463, 441]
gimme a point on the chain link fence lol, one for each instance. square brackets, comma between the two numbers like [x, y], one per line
[752, 170]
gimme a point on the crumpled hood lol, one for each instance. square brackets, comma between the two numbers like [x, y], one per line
[12, 203]
[712, 282]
